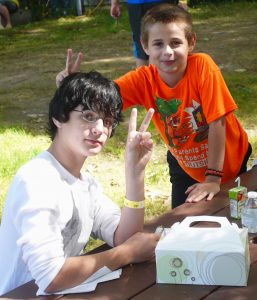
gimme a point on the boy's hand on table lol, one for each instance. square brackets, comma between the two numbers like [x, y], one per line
[200, 191]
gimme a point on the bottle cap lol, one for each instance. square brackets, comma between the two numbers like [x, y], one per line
[252, 194]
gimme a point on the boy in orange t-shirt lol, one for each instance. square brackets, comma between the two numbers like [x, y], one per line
[193, 106]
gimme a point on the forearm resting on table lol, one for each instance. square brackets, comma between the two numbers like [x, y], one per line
[77, 269]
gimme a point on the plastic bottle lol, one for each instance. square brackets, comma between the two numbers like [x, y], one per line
[249, 212]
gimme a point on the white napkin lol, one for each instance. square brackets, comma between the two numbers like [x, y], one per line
[89, 285]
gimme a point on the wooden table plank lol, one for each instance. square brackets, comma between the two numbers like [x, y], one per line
[221, 200]
[189, 209]
[219, 206]
[165, 292]
[139, 280]
[28, 291]
[134, 278]
[143, 276]
[34, 298]
[248, 179]
[191, 292]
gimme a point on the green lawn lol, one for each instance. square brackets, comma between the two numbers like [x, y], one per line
[33, 54]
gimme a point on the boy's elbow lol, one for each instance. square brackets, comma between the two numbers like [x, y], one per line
[116, 241]
[56, 285]
[52, 288]
[118, 238]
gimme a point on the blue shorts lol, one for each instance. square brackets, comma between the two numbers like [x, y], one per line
[136, 12]
[11, 6]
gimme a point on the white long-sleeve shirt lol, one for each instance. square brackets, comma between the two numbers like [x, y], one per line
[49, 215]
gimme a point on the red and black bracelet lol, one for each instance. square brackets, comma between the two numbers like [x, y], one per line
[212, 172]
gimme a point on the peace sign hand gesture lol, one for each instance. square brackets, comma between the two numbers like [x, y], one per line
[139, 144]
[71, 67]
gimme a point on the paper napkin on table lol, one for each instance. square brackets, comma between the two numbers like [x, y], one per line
[89, 285]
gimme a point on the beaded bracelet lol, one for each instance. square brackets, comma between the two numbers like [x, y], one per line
[134, 204]
[212, 172]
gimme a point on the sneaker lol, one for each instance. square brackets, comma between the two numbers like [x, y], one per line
[8, 26]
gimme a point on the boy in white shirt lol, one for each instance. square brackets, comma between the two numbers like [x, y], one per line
[52, 208]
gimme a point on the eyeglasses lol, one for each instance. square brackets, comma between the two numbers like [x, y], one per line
[91, 117]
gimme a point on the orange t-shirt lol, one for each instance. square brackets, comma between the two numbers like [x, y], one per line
[182, 113]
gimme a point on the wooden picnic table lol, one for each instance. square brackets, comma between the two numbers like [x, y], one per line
[138, 281]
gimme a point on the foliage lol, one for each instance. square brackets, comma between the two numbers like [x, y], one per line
[41, 9]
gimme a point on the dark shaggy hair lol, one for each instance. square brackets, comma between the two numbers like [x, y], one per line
[92, 91]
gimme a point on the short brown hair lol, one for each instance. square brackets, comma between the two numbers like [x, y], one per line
[166, 13]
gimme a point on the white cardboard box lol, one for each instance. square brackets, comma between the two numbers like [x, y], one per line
[208, 256]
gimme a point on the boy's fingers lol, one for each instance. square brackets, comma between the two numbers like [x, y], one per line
[147, 120]
[78, 62]
[60, 77]
[133, 121]
[69, 60]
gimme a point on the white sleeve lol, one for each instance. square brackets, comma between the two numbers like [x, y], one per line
[35, 216]
[106, 216]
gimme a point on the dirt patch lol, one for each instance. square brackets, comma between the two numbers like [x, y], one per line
[231, 46]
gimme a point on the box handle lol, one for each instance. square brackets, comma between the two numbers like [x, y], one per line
[223, 221]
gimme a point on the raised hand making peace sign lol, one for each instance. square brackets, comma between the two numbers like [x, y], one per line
[71, 67]
[139, 143]
[138, 153]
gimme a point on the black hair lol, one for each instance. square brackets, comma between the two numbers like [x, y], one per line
[92, 91]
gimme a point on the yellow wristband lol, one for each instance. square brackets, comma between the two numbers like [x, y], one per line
[134, 204]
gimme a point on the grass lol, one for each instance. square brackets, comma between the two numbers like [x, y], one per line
[33, 54]
[17, 147]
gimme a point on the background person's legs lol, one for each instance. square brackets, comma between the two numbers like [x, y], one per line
[5, 16]
[7, 8]
[135, 14]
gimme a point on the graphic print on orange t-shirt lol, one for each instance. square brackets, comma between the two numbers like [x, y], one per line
[185, 126]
